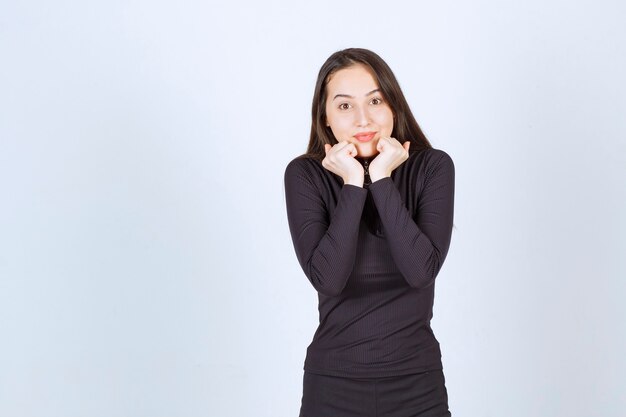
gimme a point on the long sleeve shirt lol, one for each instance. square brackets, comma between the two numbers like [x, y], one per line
[372, 253]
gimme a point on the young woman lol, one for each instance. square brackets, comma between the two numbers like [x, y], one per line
[370, 210]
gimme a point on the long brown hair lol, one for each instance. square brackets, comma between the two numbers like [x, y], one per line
[405, 126]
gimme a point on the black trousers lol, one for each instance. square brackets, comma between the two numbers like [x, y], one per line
[416, 395]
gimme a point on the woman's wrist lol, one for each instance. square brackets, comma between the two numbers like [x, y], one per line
[358, 181]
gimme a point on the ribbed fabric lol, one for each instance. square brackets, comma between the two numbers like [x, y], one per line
[424, 394]
[372, 253]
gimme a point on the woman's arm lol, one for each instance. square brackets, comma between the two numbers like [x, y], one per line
[420, 246]
[325, 248]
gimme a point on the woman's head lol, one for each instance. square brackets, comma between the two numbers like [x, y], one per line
[357, 93]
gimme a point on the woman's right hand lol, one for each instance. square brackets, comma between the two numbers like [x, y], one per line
[340, 159]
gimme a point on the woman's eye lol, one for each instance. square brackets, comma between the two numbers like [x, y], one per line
[344, 106]
[376, 101]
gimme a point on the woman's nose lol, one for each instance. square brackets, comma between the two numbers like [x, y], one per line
[362, 116]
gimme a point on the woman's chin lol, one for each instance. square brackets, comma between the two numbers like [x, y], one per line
[366, 150]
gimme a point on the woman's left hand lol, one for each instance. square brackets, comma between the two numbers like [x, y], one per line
[392, 155]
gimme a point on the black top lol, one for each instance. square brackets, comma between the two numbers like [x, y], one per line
[372, 253]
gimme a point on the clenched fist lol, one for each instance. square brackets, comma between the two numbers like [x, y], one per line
[392, 155]
[340, 159]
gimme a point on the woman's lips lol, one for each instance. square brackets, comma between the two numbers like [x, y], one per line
[365, 137]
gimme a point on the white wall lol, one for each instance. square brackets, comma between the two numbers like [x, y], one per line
[146, 267]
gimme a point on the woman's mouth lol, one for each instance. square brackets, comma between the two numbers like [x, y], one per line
[365, 136]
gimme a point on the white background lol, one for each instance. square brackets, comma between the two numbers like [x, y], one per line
[146, 266]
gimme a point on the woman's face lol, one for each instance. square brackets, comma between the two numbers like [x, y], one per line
[356, 110]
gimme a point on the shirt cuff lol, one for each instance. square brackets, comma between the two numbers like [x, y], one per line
[355, 189]
[382, 183]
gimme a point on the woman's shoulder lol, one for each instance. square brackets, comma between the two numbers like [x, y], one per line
[430, 155]
[302, 162]
[431, 159]
[304, 165]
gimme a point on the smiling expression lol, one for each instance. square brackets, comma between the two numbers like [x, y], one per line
[356, 110]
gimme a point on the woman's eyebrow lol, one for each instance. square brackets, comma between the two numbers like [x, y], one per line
[349, 96]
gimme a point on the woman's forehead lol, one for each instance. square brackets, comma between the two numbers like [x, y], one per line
[355, 80]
